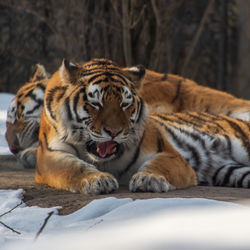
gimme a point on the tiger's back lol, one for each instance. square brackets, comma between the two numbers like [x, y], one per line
[168, 93]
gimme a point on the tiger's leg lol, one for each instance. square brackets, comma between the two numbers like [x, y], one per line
[66, 171]
[165, 172]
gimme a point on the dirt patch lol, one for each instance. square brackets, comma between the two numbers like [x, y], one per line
[14, 176]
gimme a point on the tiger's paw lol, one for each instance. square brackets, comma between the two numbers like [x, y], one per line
[99, 183]
[148, 182]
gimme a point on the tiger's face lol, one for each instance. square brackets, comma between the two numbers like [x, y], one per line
[24, 112]
[101, 108]
[116, 112]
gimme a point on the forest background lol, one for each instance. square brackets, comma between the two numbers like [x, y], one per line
[204, 40]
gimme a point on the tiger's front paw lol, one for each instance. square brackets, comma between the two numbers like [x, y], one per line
[99, 183]
[148, 182]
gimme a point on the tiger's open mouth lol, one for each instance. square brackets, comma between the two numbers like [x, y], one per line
[103, 149]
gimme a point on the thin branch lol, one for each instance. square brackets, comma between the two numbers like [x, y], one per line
[97, 223]
[116, 11]
[197, 36]
[156, 13]
[11, 209]
[10, 228]
[43, 225]
[138, 18]
[126, 33]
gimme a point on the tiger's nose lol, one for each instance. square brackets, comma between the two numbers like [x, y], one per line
[113, 132]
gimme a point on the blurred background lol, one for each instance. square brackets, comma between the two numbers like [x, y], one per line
[205, 40]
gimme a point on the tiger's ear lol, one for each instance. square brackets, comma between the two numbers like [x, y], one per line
[40, 74]
[136, 74]
[68, 71]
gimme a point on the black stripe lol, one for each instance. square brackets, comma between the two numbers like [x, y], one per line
[40, 144]
[165, 77]
[134, 159]
[203, 117]
[89, 72]
[41, 86]
[229, 145]
[50, 98]
[56, 150]
[183, 145]
[241, 180]
[74, 148]
[91, 79]
[20, 95]
[160, 142]
[60, 96]
[75, 101]
[178, 90]
[228, 174]
[239, 133]
[100, 81]
[178, 118]
[100, 63]
[39, 104]
[195, 136]
[141, 109]
[67, 106]
[46, 143]
[30, 93]
[216, 173]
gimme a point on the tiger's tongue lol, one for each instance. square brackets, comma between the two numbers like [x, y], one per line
[105, 148]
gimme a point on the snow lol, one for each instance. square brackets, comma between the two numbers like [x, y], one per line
[111, 223]
[5, 100]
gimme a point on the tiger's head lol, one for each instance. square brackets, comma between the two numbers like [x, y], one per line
[24, 112]
[100, 107]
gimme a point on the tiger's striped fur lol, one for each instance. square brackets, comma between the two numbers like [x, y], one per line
[23, 118]
[95, 133]
[165, 93]
[172, 93]
[216, 146]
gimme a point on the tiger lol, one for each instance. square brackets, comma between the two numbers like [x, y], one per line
[169, 93]
[96, 134]
[166, 93]
[23, 118]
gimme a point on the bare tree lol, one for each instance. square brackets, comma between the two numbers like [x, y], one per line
[197, 39]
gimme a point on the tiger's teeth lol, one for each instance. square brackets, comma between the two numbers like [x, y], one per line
[98, 150]
[113, 150]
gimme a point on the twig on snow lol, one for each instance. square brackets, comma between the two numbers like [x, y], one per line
[11, 209]
[44, 224]
[10, 228]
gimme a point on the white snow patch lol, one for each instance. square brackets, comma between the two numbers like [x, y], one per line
[5, 100]
[111, 223]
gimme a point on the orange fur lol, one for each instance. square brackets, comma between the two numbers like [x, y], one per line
[94, 133]
[173, 93]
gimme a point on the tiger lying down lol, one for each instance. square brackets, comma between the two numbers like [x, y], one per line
[23, 118]
[95, 133]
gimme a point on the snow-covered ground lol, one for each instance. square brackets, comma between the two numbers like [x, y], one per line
[113, 223]
[5, 100]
